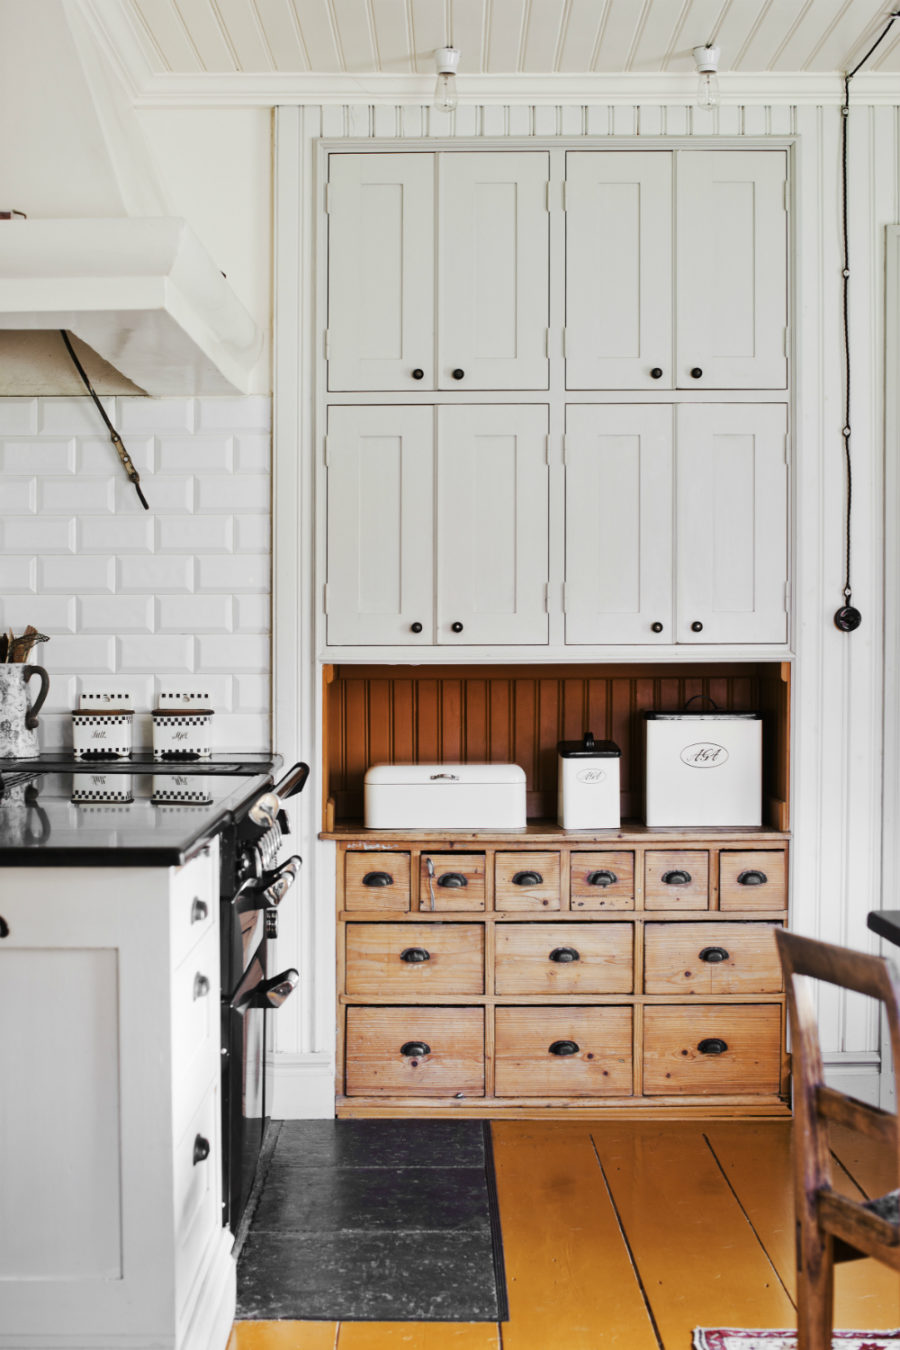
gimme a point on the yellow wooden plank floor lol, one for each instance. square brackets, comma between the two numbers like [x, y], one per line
[625, 1235]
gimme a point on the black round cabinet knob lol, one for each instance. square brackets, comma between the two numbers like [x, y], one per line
[656, 373]
[696, 626]
[656, 627]
[415, 628]
[696, 373]
[456, 627]
[458, 374]
[418, 374]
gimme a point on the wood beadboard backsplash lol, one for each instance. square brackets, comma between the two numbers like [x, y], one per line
[517, 714]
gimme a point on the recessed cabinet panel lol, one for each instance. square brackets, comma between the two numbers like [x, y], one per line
[493, 289]
[731, 523]
[492, 524]
[619, 524]
[618, 270]
[380, 540]
[731, 269]
[381, 272]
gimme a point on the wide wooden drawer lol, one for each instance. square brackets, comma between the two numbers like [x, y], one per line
[711, 958]
[563, 1052]
[695, 1050]
[676, 879]
[526, 881]
[417, 1052]
[564, 958]
[755, 879]
[602, 881]
[376, 881]
[407, 960]
[451, 881]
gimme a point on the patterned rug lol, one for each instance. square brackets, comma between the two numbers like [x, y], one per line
[726, 1338]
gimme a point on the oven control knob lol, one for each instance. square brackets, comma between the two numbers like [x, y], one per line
[277, 883]
[249, 867]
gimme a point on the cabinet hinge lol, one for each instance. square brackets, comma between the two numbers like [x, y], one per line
[547, 448]
[565, 194]
[326, 440]
[547, 598]
[786, 195]
[549, 190]
[327, 344]
[565, 449]
[328, 199]
[787, 447]
[787, 597]
[787, 341]
[325, 596]
[565, 340]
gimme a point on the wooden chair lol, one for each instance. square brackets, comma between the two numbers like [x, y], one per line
[831, 1227]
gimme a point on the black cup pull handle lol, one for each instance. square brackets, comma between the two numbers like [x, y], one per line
[677, 877]
[752, 878]
[528, 879]
[454, 881]
[564, 1048]
[564, 955]
[713, 955]
[713, 1045]
[378, 879]
[415, 955]
[602, 878]
[201, 1149]
[415, 1049]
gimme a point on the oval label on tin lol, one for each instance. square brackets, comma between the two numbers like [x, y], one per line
[591, 776]
[704, 755]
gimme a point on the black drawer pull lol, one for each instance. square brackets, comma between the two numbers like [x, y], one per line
[458, 374]
[713, 1045]
[415, 627]
[202, 986]
[199, 910]
[564, 1048]
[564, 955]
[414, 955]
[201, 1149]
[4, 927]
[418, 373]
[713, 955]
[454, 881]
[415, 1049]
[656, 373]
[696, 373]
[602, 878]
[378, 879]
[677, 877]
[528, 879]
[752, 878]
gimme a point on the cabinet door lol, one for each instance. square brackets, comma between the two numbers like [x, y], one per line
[618, 269]
[494, 284]
[492, 513]
[731, 522]
[381, 271]
[380, 536]
[618, 523]
[731, 308]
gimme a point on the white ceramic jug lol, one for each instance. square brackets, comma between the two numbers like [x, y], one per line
[18, 718]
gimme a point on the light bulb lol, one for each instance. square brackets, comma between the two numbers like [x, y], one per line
[446, 59]
[706, 60]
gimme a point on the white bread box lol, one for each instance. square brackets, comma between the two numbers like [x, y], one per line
[444, 797]
[703, 768]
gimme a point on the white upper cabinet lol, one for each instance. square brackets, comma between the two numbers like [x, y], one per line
[492, 524]
[731, 522]
[493, 270]
[618, 523]
[438, 271]
[723, 214]
[380, 473]
[618, 269]
[380, 272]
[731, 269]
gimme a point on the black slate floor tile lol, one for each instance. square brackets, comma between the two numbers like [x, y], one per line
[381, 1143]
[423, 1276]
[334, 1199]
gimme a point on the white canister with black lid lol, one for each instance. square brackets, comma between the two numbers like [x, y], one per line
[588, 784]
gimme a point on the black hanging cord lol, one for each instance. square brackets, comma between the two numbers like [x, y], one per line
[114, 436]
[848, 617]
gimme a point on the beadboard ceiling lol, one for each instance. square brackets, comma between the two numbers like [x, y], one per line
[163, 41]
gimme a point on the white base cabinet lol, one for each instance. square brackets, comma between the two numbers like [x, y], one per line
[110, 1165]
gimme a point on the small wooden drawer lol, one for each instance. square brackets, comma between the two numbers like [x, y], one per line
[676, 880]
[711, 958]
[376, 881]
[563, 1052]
[454, 881]
[752, 880]
[564, 958]
[526, 881]
[695, 1050]
[416, 1052]
[602, 881]
[407, 960]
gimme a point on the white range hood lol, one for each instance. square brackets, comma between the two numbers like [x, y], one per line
[142, 292]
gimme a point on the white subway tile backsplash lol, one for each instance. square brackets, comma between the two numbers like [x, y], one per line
[18, 416]
[195, 613]
[156, 415]
[18, 574]
[160, 573]
[247, 652]
[235, 573]
[252, 613]
[115, 614]
[49, 614]
[72, 416]
[76, 575]
[99, 456]
[37, 534]
[252, 693]
[163, 493]
[116, 534]
[252, 534]
[253, 452]
[237, 731]
[195, 534]
[51, 456]
[234, 414]
[245, 492]
[18, 496]
[155, 652]
[81, 496]
[80, 652]
[195, 454]
[62, 698]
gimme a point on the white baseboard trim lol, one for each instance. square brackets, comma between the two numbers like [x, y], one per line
[302, 1087]
[859, 1075]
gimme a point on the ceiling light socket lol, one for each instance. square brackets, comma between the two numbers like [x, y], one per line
[706, 60]
[446, 60]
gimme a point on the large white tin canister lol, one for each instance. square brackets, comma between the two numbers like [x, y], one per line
[444, 797]
[588, 795]
[703, 768]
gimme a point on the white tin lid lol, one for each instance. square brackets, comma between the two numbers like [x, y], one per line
[443, 775]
